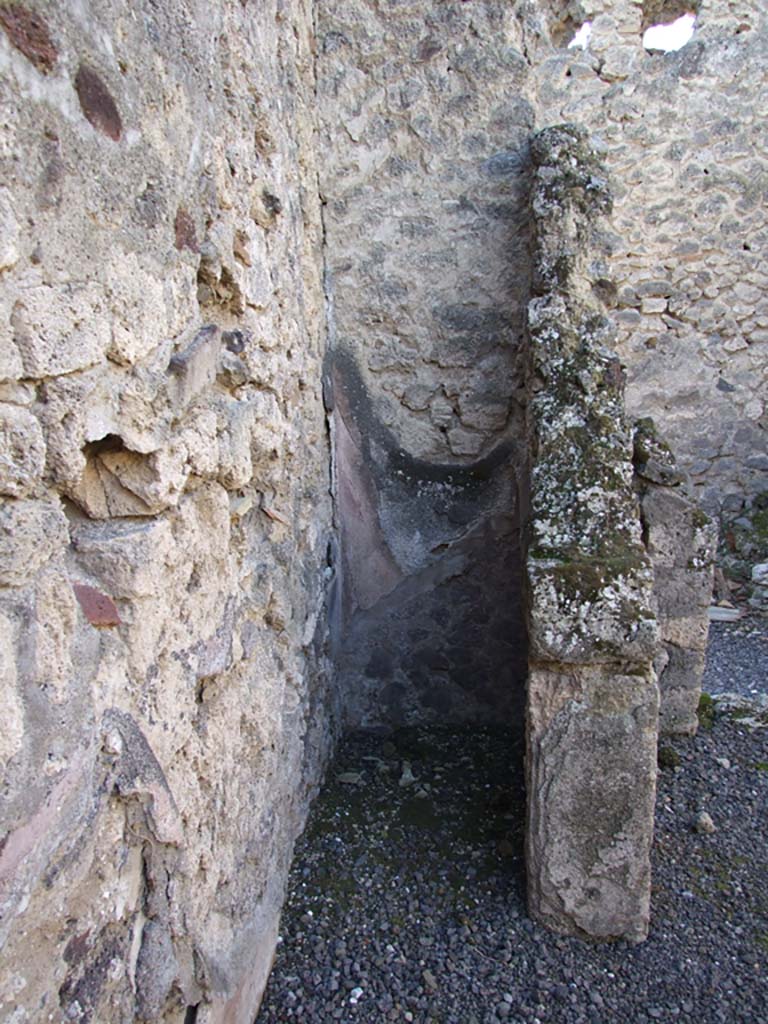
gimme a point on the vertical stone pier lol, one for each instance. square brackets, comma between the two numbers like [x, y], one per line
[593, 699]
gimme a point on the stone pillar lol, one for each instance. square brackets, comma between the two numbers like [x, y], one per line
[681, 541]
[592, 716]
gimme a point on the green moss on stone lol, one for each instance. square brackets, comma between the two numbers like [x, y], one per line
[706, 711]
[668, 757]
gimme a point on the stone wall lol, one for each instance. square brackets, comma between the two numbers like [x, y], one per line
[683, 137]
[427, 110]
[424, 180]
[176, 179]
[681, 541]
[165, 514]
[426, 113]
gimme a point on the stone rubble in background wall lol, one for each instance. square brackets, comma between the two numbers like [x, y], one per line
[426, 112]
[413, 215]
[592, 695]
[165, 509]
[683, 137]
[425, 186]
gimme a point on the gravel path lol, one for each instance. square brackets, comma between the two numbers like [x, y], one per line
[737, 657]
[406, 901]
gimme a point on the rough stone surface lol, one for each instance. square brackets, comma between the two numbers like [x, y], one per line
[198, 201]
[681, 135]
[427, 111]
[425, 182]
[165, 512]
[681, 541]
[592, 712]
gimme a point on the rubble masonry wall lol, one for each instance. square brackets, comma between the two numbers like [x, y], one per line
[165, 515]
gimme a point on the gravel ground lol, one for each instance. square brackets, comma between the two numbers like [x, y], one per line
[407, 897]
[737, 657]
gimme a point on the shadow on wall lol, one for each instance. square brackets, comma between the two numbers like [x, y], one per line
[429, 621]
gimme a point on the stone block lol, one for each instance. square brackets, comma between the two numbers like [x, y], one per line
[681, 594]
[22, 452]
[17, 392]
[193, 368]
[681, 542]
[78, 408]
[483, 412]
[584, 612]
[690, 632]
[140, 311]
[137, 773]
[680, 689]
[237, 423]
[51, 636]
[31, 533]
[591, 781]
[156, 480]
[119, 482]
[464, 442]
[667, 520]
[199, 436]
[61, 329]
[11, 367]
[127, 558]
[9, 232]
[12, 732]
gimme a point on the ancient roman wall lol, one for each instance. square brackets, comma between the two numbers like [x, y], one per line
[427, 112]
[165, 514]
[210, 214]
[425, 134]
[683, 136]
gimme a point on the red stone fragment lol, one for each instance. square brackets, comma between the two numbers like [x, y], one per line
[97, 103]
[99, 609]
[184, 226]
[29, 33]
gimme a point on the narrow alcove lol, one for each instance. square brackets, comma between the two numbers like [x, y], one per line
[428, 639]
[431, 624]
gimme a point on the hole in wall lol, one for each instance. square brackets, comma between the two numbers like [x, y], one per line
[581, 38]
[658, 36]
[670, 36]
[563, 23]
[108, 443]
